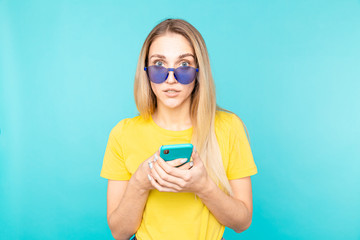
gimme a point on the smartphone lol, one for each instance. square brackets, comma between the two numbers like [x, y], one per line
[175, 151]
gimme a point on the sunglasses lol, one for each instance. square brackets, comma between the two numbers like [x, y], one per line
[159, 74]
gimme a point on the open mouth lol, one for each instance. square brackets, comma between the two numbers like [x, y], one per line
[171, 92]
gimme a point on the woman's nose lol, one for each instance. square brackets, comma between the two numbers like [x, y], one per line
[171, 77]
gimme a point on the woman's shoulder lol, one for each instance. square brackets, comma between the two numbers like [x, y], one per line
[228, 122]
[128, 124]
[225, 118]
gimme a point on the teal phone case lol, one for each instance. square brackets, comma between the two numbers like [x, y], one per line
[175, 151]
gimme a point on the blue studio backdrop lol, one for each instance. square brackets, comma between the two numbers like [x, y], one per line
[289, 69]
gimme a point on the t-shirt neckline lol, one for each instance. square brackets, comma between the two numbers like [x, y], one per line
[179, 133]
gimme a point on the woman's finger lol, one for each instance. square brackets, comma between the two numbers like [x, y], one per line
[196, 158]
[156, 185]
[163, 175]
[187, 165]
[177, 162]
[175, 172]
[161, 180]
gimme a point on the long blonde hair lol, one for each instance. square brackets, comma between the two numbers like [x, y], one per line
[203, 100]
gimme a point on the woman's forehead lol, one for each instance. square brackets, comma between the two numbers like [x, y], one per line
[171, 46]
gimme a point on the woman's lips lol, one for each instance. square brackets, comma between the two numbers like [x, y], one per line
[171, 92]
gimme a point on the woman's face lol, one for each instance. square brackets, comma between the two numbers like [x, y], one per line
[171, 51]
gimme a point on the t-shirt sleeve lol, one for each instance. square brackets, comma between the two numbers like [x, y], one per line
[114, 167]
[241, 162]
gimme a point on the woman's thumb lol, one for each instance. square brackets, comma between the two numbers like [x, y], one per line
[195, 155]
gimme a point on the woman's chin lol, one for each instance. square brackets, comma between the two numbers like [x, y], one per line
[172, 103]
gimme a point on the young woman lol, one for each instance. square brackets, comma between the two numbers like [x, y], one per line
[175, 95]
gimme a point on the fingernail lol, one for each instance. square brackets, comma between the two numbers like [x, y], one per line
[191, 164]
[194, 149]
[183, 160]
[150, 165]
[149, 177]
[155, 158]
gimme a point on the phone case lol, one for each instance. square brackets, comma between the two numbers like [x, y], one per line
[172, 152]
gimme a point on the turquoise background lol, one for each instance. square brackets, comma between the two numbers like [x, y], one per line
[289, 69]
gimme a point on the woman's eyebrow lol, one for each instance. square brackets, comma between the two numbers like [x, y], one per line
[186, 55]
[180, 56]
[157, 55]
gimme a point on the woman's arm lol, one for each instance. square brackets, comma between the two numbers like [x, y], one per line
[234, 212]
[126, 202]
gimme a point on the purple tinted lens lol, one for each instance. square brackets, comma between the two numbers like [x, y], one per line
[157, 74]
[185, 75]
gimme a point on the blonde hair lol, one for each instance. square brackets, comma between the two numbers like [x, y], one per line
[203, 100]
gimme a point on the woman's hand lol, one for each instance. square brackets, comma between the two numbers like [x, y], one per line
[190, 177]
[141, 175]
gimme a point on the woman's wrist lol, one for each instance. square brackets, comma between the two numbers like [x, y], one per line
[206, 188]
[139, 183]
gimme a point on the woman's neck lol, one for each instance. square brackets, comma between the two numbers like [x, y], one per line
[175, 119]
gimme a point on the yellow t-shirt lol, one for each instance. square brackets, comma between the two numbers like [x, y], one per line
[175, 216]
